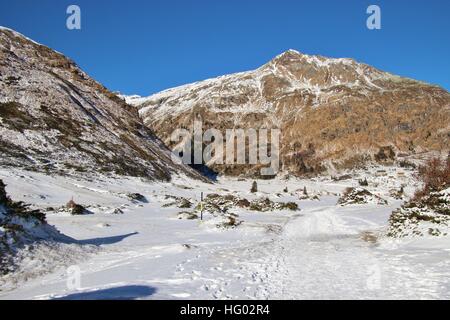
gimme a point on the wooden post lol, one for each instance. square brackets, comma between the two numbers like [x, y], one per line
[201, 207]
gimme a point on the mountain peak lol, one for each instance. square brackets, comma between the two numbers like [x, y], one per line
[328, 110]
[288, 54]
[291, 52]
[294, 56]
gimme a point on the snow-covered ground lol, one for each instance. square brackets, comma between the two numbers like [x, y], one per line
[324, 250]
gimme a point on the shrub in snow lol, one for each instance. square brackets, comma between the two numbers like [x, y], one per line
[303, 194]
[216, 204]
[3, 197]
[265, 204]
[435, 176]
[71, 204]
[406, 164]
[19, 226]
[353, 196]
[428, 213]
[185, 215]
[178, 202]
[184, 204]
[385, 154]
[18, 209]
[397, 194]
[117, 211]
[363, 183]
[137, 197]
[231, 222]
[289, 206]
[76, 209]
[243, 203]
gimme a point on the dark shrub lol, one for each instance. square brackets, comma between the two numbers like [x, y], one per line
[363, 183]
[290, 206]
[406, 164]
[385, 154]
[137, 197]
[243, 203]
[435, 175]
[77, 210]
[184, 204]
[254, 188]
[3, 197]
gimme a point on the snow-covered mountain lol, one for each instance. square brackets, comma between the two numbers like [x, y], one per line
[333, 113]
[54, 117]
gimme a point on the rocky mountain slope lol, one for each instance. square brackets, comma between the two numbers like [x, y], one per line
[54, 117]
[333, 113]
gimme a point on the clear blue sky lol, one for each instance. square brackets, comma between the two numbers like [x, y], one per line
[144, 46]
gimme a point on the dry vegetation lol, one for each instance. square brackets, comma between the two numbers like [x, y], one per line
[435, 176]
[428, 212]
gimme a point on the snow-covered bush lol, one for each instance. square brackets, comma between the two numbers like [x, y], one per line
[363, 183]
[435, 176]
[18, 226]
[137, 197]
[428, 213]
[360, 196]
[178, 202]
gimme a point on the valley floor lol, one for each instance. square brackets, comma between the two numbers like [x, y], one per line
[323, 251]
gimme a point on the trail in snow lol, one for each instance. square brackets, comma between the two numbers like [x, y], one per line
[320, 256]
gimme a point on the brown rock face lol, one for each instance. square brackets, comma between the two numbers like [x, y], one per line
[333, 113]
[54, 117]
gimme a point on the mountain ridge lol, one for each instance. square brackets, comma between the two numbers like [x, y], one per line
[331, 110]
[135, 99]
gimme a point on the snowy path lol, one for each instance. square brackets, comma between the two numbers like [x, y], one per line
[320, 256]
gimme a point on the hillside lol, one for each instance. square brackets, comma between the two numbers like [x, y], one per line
[55, 118]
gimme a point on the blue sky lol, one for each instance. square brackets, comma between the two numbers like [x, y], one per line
[144, 46]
